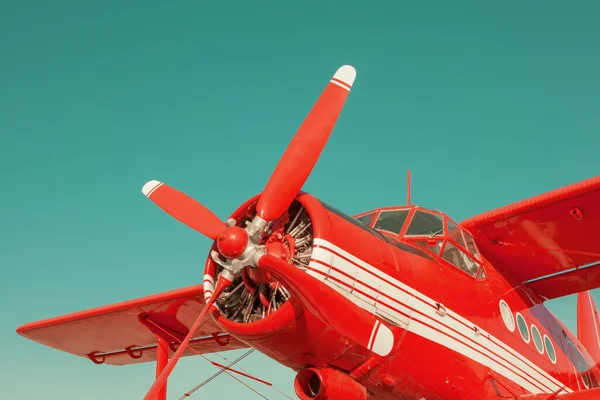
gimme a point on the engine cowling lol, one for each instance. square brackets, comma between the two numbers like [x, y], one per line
[327, 384]
[282, 327]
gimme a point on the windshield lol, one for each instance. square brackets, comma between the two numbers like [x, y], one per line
[391, 221]
[424, 223]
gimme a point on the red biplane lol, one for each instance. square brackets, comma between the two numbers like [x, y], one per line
[399, 302]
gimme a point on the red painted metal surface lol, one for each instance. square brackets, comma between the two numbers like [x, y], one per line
[327, 383]
[544, 235]
[183, 208]
[415, 359]
[232, 242]
[161, 381]
[105, 332]
[588, 325]
[303, 152]
[567, 283]
[162, 358]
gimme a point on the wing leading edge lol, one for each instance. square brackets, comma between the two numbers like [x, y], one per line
[548, 242]
[127, 332]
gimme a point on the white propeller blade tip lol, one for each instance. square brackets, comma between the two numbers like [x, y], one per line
[346, 74]
[150, 187]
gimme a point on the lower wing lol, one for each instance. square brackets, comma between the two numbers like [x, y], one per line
[127, 333]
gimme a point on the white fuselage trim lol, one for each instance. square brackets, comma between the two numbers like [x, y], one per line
[391, 299]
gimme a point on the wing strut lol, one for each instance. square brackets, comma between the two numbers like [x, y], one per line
[163, 345]
[213, 376]
[223, 368]
[162, 359]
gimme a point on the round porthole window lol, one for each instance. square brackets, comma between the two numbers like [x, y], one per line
[523, 328]
[550, 349]
[584, 377]
[507, 316]
[537, 339]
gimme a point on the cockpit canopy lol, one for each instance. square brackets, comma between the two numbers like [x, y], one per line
[431, 230]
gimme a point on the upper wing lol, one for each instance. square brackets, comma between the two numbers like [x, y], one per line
[553, 233]
[124, 333]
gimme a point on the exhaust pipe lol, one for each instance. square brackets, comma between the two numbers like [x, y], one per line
[327, 384]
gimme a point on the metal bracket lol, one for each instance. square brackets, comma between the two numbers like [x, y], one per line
[440, 310]
[354, 283]
[329, 267]
[95, 358]
[220, 340]
[130, 353]
[376, 298]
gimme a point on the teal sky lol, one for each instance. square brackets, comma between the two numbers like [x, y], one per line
[487, 104]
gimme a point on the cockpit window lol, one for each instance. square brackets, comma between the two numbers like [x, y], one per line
[424, 223]
[391, 221]
[459, 259]
[462, 238]
[366, 219]
[455, 233]
[471, 246]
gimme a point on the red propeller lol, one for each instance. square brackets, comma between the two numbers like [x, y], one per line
[305, 148]
[185, 209]
[235, 243]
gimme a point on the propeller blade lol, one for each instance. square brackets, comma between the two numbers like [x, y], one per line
[164, 375]
[305, 148]
[185, 209]
[326, 304]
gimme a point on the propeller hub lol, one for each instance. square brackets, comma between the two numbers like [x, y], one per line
[232, 242]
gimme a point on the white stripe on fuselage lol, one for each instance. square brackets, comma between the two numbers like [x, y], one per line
[377, 292]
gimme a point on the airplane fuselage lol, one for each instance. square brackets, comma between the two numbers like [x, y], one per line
[450, 338]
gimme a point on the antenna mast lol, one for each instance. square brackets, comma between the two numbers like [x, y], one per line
[408, 189]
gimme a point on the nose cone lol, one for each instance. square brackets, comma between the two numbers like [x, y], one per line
[232, 242]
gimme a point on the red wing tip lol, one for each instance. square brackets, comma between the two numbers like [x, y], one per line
[23, 329]
[150, 187]
[346, 74]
